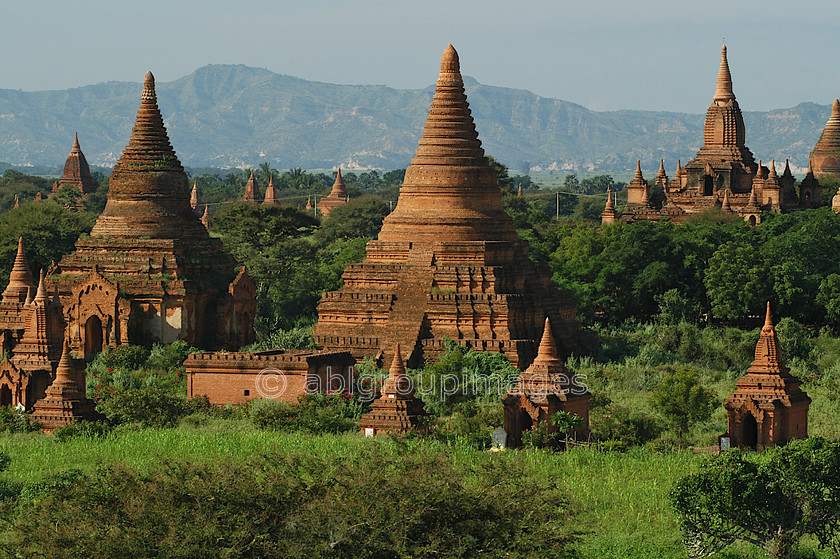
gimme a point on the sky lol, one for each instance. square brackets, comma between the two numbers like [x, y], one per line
[603, 54]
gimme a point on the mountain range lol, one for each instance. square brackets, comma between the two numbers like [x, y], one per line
[240, 116]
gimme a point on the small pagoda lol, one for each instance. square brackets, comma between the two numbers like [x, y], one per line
[397, 410]
[542, 390]
[65, 400]
[338, 196]
[270, 198]
[768, 407]
[252, 190]
[196, 203]
[77, 171]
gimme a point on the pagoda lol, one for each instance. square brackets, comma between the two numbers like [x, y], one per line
[196, 203]
[447, 262]
[397, 410]
[768, 406]
[77, 171]
[65, 400]
[825, 157]
[542, 390]
[270, 193]
[337, 196]
[252, 190]
[723, 168]
[149, 272]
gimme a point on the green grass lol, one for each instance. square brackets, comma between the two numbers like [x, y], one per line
[619, 501]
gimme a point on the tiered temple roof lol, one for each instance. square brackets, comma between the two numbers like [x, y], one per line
[447, 262]
[768, 406]
[825, 157]
[337, 196]
[149, 271]
[397, 410]
[724, 167]
[76, 170]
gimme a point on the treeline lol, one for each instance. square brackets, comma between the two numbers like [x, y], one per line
[715, 268]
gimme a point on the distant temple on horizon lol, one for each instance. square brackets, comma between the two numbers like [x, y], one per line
[448, 262]
[723, 174]
[77, 171]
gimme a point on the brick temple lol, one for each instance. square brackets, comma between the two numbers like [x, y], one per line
[768, 406]
[398, 409]
[76, 171]
[149, 272]
[724, 174]
[337, 196]
[65, 400]
[447, 262]
[542, 390]
[825, 157]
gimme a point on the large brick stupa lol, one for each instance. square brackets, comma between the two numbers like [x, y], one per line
[149, 272]
[447, 262]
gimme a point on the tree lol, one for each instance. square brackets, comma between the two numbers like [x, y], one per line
[68, 197]
[769, 502]
[683, 401]
[360, 217]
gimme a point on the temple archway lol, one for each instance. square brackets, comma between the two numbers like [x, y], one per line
[749, 436]
[5, 395]
[708, 185]
[93, 336]
[752, 221]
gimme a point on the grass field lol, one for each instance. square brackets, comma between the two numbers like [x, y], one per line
[619, 507]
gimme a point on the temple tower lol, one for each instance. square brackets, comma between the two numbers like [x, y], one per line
[20, 280]
[149, 272]
[609, 213]
[397, 410]
[768, 407]
[196, 203]
[542, 390]
[825, 157]
[76, 170]
[65, 400]
[336, 197]
[447, 262]
[252, 190]
[270, 193]
[637, 191]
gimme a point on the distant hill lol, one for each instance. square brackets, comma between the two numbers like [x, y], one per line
[235, 115]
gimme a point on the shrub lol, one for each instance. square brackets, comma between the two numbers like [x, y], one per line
[149, 407]
[620, 424]
[13, 420]
[313, 413]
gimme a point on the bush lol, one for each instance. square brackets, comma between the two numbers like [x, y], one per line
[385, 501]
[621, 425]
[13, 420]
[149, 407]
[313, 413]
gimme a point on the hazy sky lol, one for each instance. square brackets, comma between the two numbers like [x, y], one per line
[603, 54]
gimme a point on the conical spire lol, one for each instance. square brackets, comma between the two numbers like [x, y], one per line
[77, 171]
[786, 173]
[149, 193]
[20, 279]
[752, 204]
[450, 192]
[723, 93]
[608, 215]
[638, 175]
[772, 174]
[768, 352]
[725, 206]
[205, 218]
[547, 351]
[825, 154]
[661, 172]
[398, 384]
[270, 193]
[520, 190]
[65, 372]
[339, 190]
[17, 201]
[195, 197]
[610, 203]
[252, 189]
[76, 147]
[41, 294]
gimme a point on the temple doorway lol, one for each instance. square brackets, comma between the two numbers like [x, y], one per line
[750, 432]
[708, 185]
[93, 336]
[5, 395]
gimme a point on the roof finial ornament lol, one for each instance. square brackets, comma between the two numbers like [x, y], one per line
[724, 81]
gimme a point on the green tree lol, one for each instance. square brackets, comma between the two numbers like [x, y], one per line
[771, 502]
[683, 401]
[360, 217]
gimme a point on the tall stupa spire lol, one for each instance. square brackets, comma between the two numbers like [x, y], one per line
[339, 189]
[20, 279]
[825, 156]
[450, 192]
[723, 93]
[149, 193]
